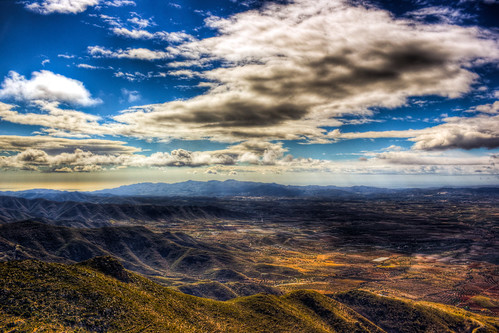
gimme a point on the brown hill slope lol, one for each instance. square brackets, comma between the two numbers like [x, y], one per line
[101, 296]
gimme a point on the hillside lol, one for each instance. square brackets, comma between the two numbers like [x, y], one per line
[100, 296]
[87, 214]
[139, 248]
[171, 258]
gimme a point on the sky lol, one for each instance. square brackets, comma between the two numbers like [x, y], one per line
[100, 93]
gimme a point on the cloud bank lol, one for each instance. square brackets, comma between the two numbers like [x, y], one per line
[292, 70]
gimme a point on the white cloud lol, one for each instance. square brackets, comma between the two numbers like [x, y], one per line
[183, 73]
[481, 131]
[46, 7]
[45, 85]
[66, 56]
[413, 157]
[140, 22]
[138, 76]
[87, 66]
[138, 53]
[135, 34]
[111, 20]
[131, 95]
[492, 108]
[119, 3]
[172, 37]
[61, 122]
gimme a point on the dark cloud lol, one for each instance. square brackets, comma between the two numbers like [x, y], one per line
[236, 113]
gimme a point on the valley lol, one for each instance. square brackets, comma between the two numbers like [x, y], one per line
[435, 246]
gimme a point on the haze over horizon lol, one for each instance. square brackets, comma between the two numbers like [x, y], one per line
[96, 94]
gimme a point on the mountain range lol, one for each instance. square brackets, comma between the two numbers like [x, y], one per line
[231, 188]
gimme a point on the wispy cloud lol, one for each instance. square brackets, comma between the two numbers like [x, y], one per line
[65, 56]
[131, 95]
[87, 66]
[130, 53]
[440, 13]
[138, 76]
[119, 3]
[172, 37]
[61, 122]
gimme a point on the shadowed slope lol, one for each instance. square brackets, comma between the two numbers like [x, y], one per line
[88, 214]
[139, 248]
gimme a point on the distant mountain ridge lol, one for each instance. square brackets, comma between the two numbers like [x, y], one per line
[229, 188]
[221, 189]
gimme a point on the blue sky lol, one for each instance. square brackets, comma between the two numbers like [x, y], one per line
[98, 93]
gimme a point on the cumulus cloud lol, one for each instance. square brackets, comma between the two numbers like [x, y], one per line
[48, 86]
[64, 155]
[492, 108]
[481, 131]
[46, 7]
[78, 161]
[292, 69]
[81, 160]
[50, 154]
